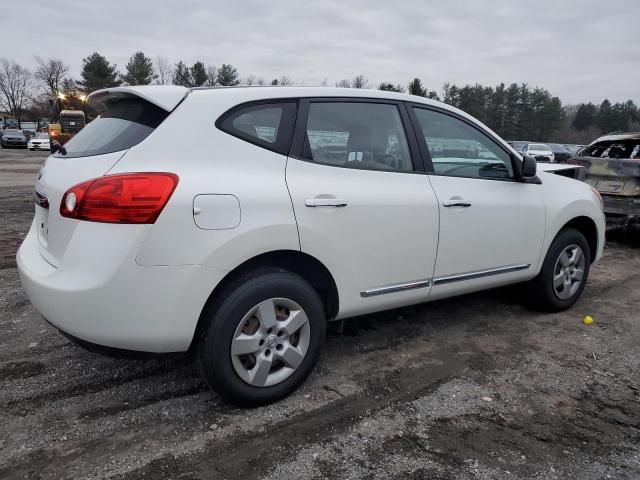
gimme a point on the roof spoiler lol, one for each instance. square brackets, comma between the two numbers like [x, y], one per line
[166, 97]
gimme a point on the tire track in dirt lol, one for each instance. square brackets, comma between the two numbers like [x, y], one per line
[250, 455]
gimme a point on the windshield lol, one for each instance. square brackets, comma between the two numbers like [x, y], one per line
[13, 131]
[42, 135]
[124, 123]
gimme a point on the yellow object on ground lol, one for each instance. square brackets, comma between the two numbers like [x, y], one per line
[587, 320]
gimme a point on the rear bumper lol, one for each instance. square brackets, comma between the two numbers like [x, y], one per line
[622, 211]
[115, 302]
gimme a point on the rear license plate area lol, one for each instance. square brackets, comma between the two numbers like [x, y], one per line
[610, 186]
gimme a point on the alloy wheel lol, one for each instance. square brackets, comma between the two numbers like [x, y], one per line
[568, 272]
[270, 342]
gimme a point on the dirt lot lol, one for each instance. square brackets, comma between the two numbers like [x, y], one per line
[474, 387]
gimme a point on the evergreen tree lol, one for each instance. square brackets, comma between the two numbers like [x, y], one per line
[182, 75]
[415, 88]
[227, 75]
[390, 87]
[139, 70]
[604, 119]
[97, 73]
[198, 74]
[585, 117]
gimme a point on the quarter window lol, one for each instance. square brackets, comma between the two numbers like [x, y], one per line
[357, 135]
[457, 149]
[269, 125]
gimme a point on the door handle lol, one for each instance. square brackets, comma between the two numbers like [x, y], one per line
[325, 202]
[459, 202]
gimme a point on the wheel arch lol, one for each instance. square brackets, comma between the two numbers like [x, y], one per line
[588, 228]
[303, 264]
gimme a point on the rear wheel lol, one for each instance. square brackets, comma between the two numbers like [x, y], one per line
[564, 272]
[263, 339]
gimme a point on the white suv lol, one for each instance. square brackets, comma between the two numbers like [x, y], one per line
[313, 205]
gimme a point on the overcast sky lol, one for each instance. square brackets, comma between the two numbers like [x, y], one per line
[580, 50]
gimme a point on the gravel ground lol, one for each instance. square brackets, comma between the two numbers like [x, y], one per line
[468, 388]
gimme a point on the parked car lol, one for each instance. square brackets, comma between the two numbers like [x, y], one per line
[39, 142]
[613, 168]
[243, 253]
[13, 138]
[573, 149]
[540, 151]
[518, 146]
[560, 153]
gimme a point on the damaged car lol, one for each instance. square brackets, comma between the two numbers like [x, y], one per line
[613, 169]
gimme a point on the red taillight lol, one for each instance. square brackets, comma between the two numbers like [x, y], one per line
[121, 198]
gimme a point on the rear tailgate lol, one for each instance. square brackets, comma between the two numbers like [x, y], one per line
[56, 177]
[618, 181]
[126, 119]
[612, 176]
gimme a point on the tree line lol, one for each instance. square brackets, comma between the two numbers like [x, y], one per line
[515, 111]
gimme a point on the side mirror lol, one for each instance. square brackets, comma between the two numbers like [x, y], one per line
[56, 146]
[529, 167]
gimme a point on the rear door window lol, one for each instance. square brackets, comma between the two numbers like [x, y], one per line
[268, 125]
[357, 135]
[125, 122]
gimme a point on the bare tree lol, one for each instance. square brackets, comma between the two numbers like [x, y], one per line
[285, 81]
[14, 86]
[343, 84]
[163, 70]
[324, 82]
[211, 76]
[50, 73]
[360, 82]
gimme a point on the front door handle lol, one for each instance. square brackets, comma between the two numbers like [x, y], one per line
[458, 202]
[325, 202]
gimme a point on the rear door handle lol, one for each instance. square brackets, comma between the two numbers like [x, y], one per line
[325, 202]
[456, 203]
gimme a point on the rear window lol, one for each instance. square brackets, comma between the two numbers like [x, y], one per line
[557, 147]
[538, 146]
[124, 123]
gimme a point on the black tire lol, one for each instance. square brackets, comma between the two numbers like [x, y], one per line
[225, 313]
[541, 292]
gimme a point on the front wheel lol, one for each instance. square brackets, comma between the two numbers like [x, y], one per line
[564, 273]
[263, 338]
